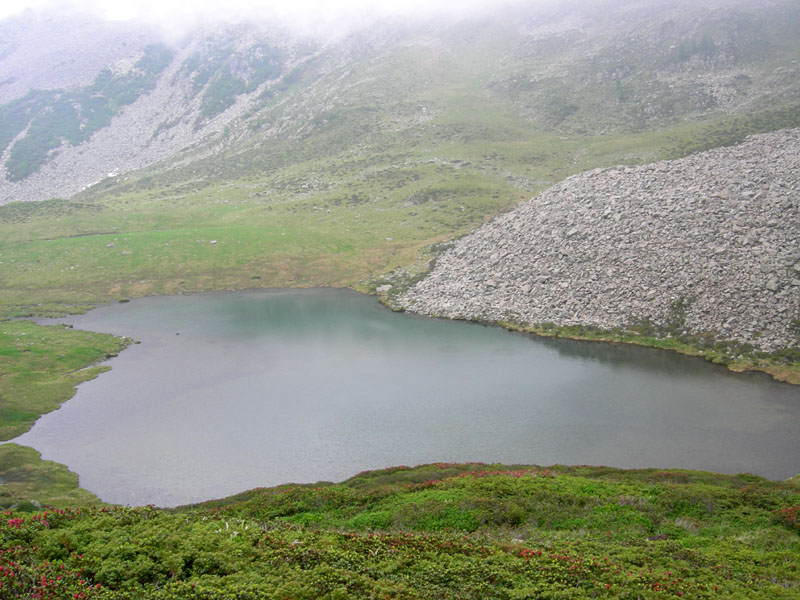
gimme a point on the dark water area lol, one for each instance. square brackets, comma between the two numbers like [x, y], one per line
[234, 390]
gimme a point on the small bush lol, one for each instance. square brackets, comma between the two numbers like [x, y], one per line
[789, 516]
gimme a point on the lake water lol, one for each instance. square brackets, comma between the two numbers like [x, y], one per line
[234, 390]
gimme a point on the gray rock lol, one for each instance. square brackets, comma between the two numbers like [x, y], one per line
[688, 234]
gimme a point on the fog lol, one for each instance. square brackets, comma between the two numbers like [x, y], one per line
[310, 16]
[328, 18]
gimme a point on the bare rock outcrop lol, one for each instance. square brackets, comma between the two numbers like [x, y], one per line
[714, 236]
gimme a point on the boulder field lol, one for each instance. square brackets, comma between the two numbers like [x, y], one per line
[706, 244]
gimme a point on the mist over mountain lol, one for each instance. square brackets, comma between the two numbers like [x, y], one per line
[83, 100]
[347, 156]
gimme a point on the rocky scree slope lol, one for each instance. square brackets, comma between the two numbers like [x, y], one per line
[151, 103]
[105, 101]
[58, 50]
[705, 244]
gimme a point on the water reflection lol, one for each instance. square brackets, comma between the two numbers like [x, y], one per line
[622, 355]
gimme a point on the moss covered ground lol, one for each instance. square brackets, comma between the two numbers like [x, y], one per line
[30, 483]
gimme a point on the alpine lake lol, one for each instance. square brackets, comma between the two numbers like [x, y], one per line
[233, 390]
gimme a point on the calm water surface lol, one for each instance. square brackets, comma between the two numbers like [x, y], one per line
[234, 390]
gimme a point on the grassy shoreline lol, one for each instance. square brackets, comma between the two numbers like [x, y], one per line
[784, 372]
[40, 367]
[780, 370]
[30, 483]
[450, 530]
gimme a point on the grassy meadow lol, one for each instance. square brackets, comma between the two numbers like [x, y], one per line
[330, 222]
[40, 367]
[30, 483]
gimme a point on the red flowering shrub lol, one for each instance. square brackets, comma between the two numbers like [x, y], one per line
[790, 516]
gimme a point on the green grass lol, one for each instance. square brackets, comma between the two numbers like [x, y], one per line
[434, 531]
[336, 220]
[138, 244]
[40, 367]
[29, 483]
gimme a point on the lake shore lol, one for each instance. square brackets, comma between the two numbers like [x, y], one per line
[344, 358]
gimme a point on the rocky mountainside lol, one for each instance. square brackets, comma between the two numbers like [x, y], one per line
[707, 244]
[63, 50]
[150, 100]
[222, 99]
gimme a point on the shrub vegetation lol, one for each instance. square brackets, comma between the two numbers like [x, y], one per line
[434, 531]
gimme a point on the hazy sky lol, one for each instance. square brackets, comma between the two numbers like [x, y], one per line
[308, 11]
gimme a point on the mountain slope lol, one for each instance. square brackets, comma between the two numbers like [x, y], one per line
[702, 246]
[157, 100]
[63, 50]
[338, 161]
[479, 89]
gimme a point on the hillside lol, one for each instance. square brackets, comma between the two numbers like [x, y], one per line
[704, 249]
[335, 160]
[494, 94]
